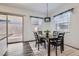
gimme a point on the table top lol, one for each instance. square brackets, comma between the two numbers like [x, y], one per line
[50, 36]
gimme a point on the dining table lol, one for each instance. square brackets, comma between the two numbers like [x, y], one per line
[48, 40]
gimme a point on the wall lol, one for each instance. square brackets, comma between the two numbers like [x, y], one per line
[71, 38]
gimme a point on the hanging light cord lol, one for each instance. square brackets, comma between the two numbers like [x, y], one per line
[47, 9]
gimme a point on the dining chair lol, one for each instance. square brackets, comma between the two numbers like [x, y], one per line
[59, 41]
[39, 40]
[40, 32]
[55, 33]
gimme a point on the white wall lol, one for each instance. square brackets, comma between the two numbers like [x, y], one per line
[73, 37]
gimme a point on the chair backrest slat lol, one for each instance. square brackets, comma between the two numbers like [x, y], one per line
[55, 33]
[61, 37]
[40, 32]
[36, 36]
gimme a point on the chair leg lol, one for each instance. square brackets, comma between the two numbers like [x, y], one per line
[45, 45]
[38, 46]
[41, 44]
[35, 44]
[56, 50]
[61, 49]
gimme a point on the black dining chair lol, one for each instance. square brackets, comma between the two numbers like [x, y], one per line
[40, 32]
[39, 40]
[55, 33]
[59, 41]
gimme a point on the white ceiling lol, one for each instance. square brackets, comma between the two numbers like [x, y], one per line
[36, 7]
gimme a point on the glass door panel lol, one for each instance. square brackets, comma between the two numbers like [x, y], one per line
[2, 26]
[14, 29]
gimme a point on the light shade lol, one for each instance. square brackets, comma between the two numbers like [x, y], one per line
[47, 19]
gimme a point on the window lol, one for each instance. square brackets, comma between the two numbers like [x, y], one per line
[62, 21]
[36, 23]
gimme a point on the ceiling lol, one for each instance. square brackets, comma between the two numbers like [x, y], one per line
[36, 7]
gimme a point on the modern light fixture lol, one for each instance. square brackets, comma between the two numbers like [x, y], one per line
[47, 19]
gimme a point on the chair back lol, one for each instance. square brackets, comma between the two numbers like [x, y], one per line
[36, 36]
[61, 35]
[55, 33]
[40, 32]
[60, 38]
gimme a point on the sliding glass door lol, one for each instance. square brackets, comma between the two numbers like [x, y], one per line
[11, 30]
[14, 29]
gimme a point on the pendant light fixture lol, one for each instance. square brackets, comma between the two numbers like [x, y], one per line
[47, 19]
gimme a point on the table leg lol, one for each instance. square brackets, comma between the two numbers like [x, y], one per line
[56, 47]
[48, 47]
[38, 45]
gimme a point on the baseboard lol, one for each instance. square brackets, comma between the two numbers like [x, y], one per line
[30, 41]
[15, 42]
[21, 41]
[72, 46]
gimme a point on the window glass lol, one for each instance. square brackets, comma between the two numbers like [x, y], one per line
[36, 23]
[62, 22]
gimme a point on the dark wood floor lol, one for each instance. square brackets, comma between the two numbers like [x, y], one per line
[19, 49]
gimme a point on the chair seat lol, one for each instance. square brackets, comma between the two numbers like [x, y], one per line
[41, 41]
[55, 44]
